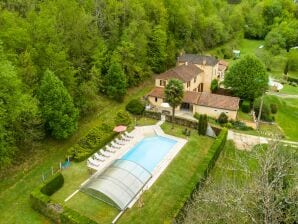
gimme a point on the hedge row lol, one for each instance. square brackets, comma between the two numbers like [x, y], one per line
[94, 140]
[152, 114]
[292, 79]
[203, 169]
[41, 202]
[183, 122]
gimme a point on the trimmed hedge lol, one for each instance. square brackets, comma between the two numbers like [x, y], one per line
[245, 106]
[183, 121]
[204, 169]
[152, 114]
[70, 216]
[41, 202]
[95, 139]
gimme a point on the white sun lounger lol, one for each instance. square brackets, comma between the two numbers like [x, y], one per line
[106, 154]
[128, 135]
[119, 142]
[110, 149]
[99, 157]
[94, 162]
[115, 146]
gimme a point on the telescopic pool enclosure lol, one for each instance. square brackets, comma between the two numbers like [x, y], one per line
[118, 184]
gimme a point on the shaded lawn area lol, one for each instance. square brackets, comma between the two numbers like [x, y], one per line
[244, 116]
[17, 183]
[168, 194]
[287, 115]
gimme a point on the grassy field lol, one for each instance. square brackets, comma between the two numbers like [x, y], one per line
[16, 184]
[161, 202]
[288, 89]
[287, 115]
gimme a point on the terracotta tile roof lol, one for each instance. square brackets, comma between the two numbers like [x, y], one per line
[198, 59]
[219, 101]
[157, 92]
[184, 73]
[203, 99]
[191, 97]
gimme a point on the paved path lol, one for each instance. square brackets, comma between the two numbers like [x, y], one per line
[247, 142]
[283, 95]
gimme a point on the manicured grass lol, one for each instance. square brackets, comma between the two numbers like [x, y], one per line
[288, 89]
[287, 115]
[16, 184]
[146, 121]
[164, 199]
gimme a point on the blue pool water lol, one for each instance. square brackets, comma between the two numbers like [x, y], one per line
[150, 151]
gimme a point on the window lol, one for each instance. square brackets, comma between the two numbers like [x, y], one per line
[156, 99]
[188, 84]
[162, 82]
[195, 80]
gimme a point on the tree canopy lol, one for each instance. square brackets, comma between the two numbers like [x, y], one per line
[58, 110]
[247, 78]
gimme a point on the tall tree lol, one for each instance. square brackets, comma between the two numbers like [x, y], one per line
[247, 78]
[115, 83]
[58, 110]
[174, 95]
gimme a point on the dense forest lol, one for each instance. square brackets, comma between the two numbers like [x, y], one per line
[57, 56]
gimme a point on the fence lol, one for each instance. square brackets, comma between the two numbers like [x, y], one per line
[54, 169]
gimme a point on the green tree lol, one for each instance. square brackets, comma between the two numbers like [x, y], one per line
[115, 82]
[247, 78]
[214, 85]
[157, 49]
[174, 95]
[123, 118]
[135, 106]
[275, 42]
[203, 124]
[58, 110]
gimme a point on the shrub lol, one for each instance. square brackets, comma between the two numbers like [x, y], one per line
[214, 85]
[223, 118]
[40, 200]
[240, 126]
[266, 111]
[203, 123]
[152, 114]
[70, 216]
[273, 108]
[245, 107]
[95, 139]
[135, 106]
[53, 184]
[122, 118]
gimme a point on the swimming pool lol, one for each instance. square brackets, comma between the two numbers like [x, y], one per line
[150, 151]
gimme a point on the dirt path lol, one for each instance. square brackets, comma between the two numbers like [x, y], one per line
[247, 142]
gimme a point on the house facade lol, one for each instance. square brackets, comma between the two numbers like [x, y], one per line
[196, 74]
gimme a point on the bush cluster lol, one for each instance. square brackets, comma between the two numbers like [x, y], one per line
[135, 106]
[239, 125]
[273, 108]
[222, 118]
[41, 202]
[95, 139]
[152, 114]
[266, 110]
[245, 106]
[123, 118]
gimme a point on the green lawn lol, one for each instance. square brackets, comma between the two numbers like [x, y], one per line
[288, 89]
[163, 200]
[244, 116]
[16, 184]
[287, 115]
